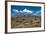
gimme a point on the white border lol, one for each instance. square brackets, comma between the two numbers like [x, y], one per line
[24, 29]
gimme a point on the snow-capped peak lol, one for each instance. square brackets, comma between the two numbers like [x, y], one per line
[25, 10]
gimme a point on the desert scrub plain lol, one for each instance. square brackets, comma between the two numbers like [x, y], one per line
[25, 21]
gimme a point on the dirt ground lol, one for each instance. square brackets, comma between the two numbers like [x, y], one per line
[25, 22]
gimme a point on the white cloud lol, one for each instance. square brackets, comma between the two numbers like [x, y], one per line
[25, 10]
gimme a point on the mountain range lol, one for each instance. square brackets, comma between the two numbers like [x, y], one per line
[25, 12]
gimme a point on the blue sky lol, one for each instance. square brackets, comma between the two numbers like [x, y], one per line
[34, 9]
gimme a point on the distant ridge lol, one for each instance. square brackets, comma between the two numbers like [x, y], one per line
[25, 12]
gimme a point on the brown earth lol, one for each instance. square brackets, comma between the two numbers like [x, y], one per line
[25, 22]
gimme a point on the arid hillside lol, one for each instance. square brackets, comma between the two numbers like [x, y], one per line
[28, 21]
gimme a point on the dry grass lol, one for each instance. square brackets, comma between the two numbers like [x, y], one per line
[25, 22]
